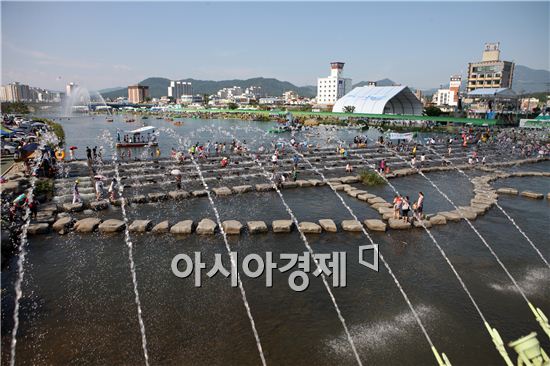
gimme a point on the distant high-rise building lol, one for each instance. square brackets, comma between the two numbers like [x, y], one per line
[490, 72]
[179, 88]
[138, 93]
[69, 88]
[15, 92]
[333, 87]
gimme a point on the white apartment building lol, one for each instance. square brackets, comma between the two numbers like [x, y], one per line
[449, 97]
[179, 88]
[15, 92]
[333, 87]
[229, 93]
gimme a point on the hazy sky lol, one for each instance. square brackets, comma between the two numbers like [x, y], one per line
[105, 44]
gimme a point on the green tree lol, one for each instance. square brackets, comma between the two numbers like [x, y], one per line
[232, 106]
[432, 111]
[205, 100]
[349, 109]
[15, 107]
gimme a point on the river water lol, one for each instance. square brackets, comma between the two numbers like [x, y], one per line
[78, 301]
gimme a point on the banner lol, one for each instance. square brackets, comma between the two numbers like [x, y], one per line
[401, 136]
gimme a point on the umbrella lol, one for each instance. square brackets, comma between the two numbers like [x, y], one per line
[73, 148]
[20, 198]
[176, 172]
[30, 147]
[99, 176]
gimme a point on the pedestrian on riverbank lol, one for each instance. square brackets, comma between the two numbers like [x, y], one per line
[99, 189]
[112, 189]
[88, 153]
[419, 209]
[178, 181]
[33, 207]
[397, 201]
[405, 208]
[76, 193]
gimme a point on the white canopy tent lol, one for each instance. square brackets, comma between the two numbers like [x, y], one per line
[380, 100]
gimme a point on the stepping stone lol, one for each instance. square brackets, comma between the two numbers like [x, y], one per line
[355, 192]
[111, 226]
[350, 179]
[140, 198]
[73, 207]
[384, 209]
[232, 227]
[47, 217]
[178, 195]
[88, 212]
[374, 200]
[476, 209]
[422, 223]
[242, 189]
[40, 228]
[339, 187]
[63, 224]
[289, 184]
[199, 193]
[255, 227]
[534, 195]
[264, 187]
[140, 226]
[467, 213]
[375, 225]
[222, 191]
[328, 225]
[352, 225]
[450, 216]
[281, 226]
[365, 196]
[99, 205]
[206, 227]
[182, 227]
[398, 224]
[87, 225]
[376, 206]
[317, 182]
[304, 183]
[156, 197]
[161, 227]
[309, 227]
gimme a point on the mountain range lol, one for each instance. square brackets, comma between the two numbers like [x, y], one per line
[526, 80]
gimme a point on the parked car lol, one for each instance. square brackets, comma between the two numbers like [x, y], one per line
[8, 148]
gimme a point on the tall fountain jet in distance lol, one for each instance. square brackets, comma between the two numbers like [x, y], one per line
[80, 100]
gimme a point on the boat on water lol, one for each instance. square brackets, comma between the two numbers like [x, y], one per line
[141, 137]
[144, 117]
[108, 119]
[129, 120]
[178, 123]
[168, 119]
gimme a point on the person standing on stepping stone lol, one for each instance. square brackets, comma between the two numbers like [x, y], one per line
[76, 193]
[88, 153]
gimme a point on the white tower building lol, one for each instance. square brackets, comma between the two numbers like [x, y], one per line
[333, 87]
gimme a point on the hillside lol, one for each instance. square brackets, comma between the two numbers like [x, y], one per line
[158, 87]
[527, 80]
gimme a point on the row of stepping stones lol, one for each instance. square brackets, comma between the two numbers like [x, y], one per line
[206, 226]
